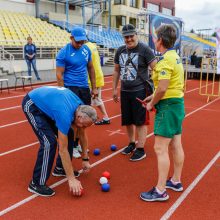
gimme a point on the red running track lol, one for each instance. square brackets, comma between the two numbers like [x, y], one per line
[18, 148]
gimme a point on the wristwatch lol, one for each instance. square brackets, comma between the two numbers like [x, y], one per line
[85, 159]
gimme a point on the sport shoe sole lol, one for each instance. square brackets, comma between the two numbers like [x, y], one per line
[174, 189]
[156, 199]
[33, 191]
[77, 155]
[56, 174]
[141, 158]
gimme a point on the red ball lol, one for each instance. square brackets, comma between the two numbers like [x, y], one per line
[106, 174]
[81, 193]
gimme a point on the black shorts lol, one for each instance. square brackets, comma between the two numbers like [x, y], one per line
[83, 93]
[132, 110]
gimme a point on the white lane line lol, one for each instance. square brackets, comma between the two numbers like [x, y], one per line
[17, 149]
[11, 97]
[208, 109]
[28, 199]
[17, 96]
[33, 86]
[183, 196]
[18, 106]
[19, 122]
[5, 109]
[15, 123]
[190, 113]
[29, 145]
[103, 101]
[10, 208]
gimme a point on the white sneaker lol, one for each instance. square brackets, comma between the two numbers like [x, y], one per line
[79, 148]
[76, 153]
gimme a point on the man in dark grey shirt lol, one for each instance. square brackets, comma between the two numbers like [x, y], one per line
[131, 66]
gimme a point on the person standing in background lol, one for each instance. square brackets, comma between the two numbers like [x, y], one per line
[30, 51]
[99, 84]
[73, 65]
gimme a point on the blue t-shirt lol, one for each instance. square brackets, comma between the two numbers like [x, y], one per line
[58, 103]
[30, 49]
[75, 62]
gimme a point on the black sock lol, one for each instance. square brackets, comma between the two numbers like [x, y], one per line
[140, 149]
[132, 143]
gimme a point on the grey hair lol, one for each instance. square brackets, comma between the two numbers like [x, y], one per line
[89, 111]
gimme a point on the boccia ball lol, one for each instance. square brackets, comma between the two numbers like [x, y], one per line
[96, 152]
[105, 187]
[106, 174]
[103, 180]
[81, 192]
[113, 147]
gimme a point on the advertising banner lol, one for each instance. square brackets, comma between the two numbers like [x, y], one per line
[218, 49]
[157, 20]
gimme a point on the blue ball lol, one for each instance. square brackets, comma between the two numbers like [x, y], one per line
[105, 187]
[113, 147]
[96, 152]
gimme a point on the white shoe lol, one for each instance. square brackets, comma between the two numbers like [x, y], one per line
[79, 148]
[76, 153]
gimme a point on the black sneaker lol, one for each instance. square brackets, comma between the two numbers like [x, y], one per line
[130, 148]
[103, 122]
[138, 155]
[41, 190]
[60, 172]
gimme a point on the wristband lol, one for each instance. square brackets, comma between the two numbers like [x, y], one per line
[85, 159]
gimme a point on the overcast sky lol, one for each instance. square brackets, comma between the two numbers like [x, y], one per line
[199, 14]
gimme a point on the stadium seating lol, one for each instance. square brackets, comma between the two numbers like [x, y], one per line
[109, 38]
[16, 27]
[194, 39]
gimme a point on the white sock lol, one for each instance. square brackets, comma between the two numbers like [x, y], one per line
[105, 119]
[175, 183]
[160, 192]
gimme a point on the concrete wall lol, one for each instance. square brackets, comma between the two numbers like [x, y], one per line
[18, 6]
[42, 64]
[62, 17]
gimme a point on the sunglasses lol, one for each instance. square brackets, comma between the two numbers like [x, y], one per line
[129, 36]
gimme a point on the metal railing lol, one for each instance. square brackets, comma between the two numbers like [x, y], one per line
[5, 55]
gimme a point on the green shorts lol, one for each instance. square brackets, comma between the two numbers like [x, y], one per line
[169, 117]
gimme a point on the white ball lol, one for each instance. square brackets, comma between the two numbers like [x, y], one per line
[103, 180]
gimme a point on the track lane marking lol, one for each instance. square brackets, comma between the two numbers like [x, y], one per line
[18, 204]
[23, 121]
[35, 86]
[187, 191]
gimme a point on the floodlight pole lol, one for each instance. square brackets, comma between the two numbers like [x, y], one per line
[92, 14]
[37, 2]
[67, 14]
[109, 14]
[83, 14]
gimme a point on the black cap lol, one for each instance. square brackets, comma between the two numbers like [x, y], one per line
[128, 29]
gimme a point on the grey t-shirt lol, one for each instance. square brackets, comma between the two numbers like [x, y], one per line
[133, 63]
